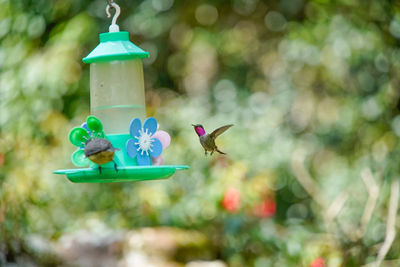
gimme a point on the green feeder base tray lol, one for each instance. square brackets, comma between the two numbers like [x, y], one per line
[124, 174]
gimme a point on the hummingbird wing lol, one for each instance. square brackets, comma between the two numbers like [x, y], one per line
[220, 130]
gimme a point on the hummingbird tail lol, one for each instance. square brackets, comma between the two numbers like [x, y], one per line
[219, 151]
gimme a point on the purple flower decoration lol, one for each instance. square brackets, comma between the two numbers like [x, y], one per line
[143, 143]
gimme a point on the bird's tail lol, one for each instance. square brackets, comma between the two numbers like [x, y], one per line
[219, 151]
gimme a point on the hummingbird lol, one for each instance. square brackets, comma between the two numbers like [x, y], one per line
[208, 140]
[100, 151]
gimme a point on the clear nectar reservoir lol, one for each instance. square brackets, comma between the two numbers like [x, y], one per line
[116, 81]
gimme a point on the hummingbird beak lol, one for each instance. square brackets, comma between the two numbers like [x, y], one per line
[193, 125]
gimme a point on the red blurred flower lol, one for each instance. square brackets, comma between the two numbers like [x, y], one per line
[231, 201]
[318, 262]
[266, 209]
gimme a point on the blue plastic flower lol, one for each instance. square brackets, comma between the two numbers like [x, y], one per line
[143, 144]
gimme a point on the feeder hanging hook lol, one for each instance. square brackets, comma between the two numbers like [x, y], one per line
[113, 27]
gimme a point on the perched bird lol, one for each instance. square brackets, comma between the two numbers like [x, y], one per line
[100, 151]
[208, 140]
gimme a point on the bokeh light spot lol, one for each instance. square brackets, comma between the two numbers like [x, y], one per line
[206, 14]
[162, 5]
[275, 21]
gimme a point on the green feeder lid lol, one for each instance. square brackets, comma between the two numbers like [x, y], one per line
[115, 46]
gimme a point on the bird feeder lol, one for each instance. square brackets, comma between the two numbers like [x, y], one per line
[118, 114]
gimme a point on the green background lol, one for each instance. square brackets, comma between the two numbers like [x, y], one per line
[311, 86]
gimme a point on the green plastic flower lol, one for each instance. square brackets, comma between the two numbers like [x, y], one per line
[78, 136]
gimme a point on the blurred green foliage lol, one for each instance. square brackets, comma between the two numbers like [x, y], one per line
[318, 77]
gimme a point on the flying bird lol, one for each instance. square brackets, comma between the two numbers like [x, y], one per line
[208, 140]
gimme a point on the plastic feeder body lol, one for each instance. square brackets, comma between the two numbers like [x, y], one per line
[116, 82]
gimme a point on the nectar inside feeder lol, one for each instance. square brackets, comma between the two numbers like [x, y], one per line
[132, 147]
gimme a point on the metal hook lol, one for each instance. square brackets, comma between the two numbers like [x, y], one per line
[113, 27]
